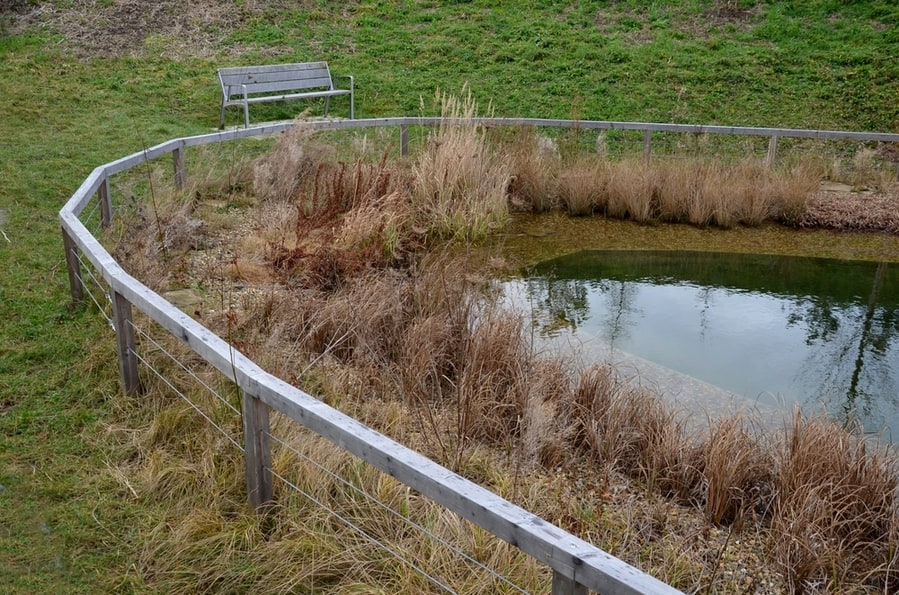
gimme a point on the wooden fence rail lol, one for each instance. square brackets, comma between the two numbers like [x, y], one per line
[576, 564]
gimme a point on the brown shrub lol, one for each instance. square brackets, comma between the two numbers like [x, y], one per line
[460, 183]
[491, 382]
[282, 173]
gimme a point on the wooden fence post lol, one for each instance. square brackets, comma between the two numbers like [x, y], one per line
[404, 140]
[105, 198]
[178, 160]
[647, 145]
[772, 152]
[563, 585]
[257, 452]
[124, 332]
[73, 265]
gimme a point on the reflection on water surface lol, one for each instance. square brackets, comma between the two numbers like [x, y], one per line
[775, 330]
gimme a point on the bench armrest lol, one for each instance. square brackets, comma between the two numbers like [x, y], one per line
[352, 93]
[346, 76]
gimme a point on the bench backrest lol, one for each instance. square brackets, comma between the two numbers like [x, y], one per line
[275, 77]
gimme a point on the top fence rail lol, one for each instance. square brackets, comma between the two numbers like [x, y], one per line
[577, 565]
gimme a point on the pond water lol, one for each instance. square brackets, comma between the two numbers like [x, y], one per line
[768, 331]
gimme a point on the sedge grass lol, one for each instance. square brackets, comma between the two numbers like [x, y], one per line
[460, 184]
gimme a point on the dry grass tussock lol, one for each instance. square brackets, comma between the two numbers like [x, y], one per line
[699, 191]
[364, 307]
[460, 181]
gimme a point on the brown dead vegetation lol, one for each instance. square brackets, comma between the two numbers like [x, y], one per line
[367, 305]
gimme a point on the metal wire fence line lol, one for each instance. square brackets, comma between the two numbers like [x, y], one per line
[395, 514]
[576, 565]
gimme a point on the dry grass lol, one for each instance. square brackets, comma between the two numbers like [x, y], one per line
[581, 187]
[535, 162]
[434, 347]
[631, 190]
[737, 467]
[866, 169]
[376, 318]
[698, 190]
[834, 510]
[460, 182]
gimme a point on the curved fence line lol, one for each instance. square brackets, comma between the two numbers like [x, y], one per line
[576, 564]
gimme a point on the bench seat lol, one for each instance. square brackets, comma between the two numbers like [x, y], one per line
[245, 85]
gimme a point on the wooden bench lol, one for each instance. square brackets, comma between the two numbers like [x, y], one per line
[243, 85]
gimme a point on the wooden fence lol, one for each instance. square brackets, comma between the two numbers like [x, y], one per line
[576, 564]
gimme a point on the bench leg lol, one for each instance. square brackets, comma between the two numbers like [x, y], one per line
[222, 117]
[246, 115]
[327, 105]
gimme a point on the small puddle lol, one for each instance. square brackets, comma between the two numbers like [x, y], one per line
[718, 332]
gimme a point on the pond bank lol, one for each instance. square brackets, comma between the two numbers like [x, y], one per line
[533, 238]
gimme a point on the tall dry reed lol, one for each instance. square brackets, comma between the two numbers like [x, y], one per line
[460, 182]
[534, 165]
[581, 186]
[631, 190]
[835, 507]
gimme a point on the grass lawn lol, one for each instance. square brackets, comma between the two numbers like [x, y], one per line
[76, 91]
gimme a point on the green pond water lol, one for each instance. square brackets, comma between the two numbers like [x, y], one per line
[718, 330]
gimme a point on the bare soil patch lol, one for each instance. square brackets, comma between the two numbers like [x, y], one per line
[92, 28]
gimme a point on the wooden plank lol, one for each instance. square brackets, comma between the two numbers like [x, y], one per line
[595, 125]
[288, 96]
[293, 66]
[257, 88]
[772, 152]
[178, 165]
[564, 586]
[85, 192]
[88, 245]
[126, 162]
[261, 75]
[129, 161]
[258, 78]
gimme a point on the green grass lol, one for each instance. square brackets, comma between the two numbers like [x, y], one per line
[66, 525]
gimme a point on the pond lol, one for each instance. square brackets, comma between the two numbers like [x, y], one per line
[763, 330]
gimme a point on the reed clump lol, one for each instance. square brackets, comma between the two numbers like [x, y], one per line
[460, 181]
[697, 190]
[535, 161]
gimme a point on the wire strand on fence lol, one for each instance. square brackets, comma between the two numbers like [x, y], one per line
[85, 266]
[162, 377]
[86, 219]
[190, 372]
[362, 533]
[397, 514]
